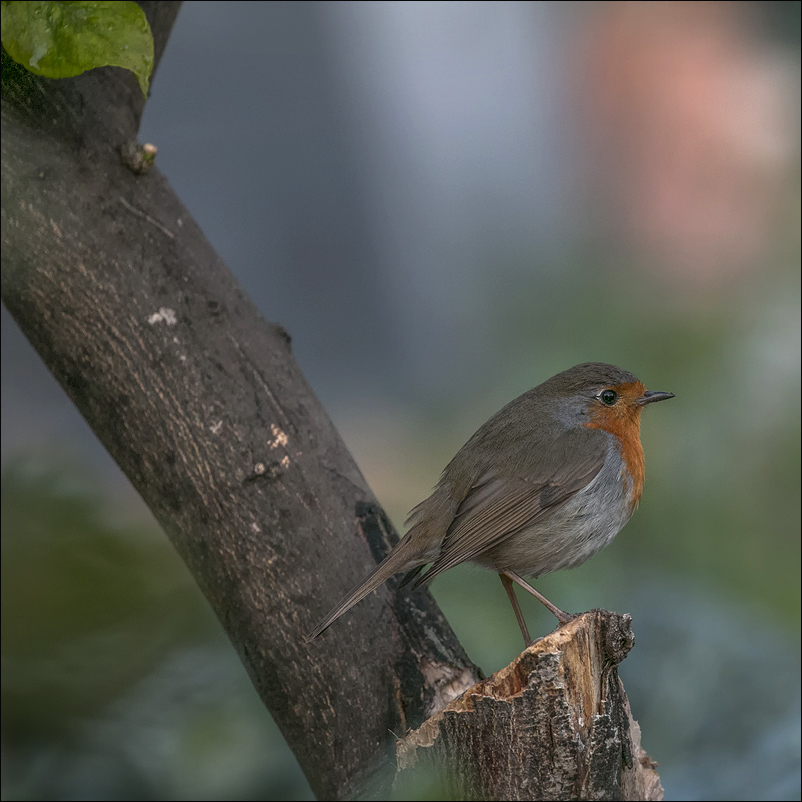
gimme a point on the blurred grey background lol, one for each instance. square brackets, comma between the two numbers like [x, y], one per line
[445, 204]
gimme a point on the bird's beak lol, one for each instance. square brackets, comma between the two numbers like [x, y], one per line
[650, 396]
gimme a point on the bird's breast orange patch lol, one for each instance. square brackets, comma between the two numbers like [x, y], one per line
[622, 420]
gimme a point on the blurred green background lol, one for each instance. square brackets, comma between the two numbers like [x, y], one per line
[445, 204]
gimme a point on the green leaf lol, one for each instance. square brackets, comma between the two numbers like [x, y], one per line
[62, 39]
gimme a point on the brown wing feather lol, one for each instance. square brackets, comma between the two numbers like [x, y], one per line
[498, 507]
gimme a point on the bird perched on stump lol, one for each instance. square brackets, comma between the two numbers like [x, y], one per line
[544, 484]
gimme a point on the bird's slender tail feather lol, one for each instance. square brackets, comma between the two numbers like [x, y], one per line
[400, 559]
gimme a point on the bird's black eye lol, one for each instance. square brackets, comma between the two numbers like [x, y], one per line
[608, 397]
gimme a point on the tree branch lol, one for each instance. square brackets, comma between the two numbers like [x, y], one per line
[199, 401]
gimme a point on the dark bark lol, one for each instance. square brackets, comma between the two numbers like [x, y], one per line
[199, 401]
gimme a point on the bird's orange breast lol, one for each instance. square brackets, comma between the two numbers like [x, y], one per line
[622, 420]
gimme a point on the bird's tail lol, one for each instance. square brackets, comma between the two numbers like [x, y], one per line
[401, 558]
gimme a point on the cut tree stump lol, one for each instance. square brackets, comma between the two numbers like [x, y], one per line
[554, 724]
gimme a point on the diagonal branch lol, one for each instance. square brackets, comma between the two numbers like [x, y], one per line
[200, 402]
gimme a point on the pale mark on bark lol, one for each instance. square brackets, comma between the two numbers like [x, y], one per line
[147, 217]
[164, 315]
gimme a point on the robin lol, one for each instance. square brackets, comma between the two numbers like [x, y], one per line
[544, 484]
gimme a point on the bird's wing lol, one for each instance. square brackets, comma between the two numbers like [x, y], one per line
[497, 507]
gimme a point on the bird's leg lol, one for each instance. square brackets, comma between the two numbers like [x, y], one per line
[507, 582]
[562, 616]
